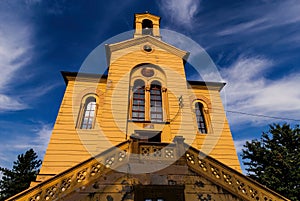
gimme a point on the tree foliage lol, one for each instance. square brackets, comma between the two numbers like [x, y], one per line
[274, 160]
[23, 172]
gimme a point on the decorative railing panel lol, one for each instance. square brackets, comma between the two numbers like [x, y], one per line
[76, 177]
[157, 152]
[229, 179]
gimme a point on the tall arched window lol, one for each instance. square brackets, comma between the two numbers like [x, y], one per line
[138, 102]
[156, 112]
[147, 27]
[200, 117]
[148, 94]
[89, 113]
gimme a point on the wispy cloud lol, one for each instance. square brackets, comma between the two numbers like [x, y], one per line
[262, 17]
[37, 92]
[37, 140]
[34, 136]
[239, 144]
[250, 91]
[8, 103]
[180, 12]
[242, 27]
[15, 53]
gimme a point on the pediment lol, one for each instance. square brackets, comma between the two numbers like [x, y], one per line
[110, 48]
[146, 15]
[114, 171]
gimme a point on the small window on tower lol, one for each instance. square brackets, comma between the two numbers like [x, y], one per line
[147, 27]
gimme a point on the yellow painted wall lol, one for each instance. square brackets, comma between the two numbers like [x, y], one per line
[218, 143]
[66, 147]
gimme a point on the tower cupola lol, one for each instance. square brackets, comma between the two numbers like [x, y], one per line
[146, 24]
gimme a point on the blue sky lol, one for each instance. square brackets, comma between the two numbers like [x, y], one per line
[255, 45]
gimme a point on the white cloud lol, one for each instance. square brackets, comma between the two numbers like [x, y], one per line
[242, 27]
[15, 53]
[265, 16]
[181, 12]
[239, 145]
[285, 12]
[43, 135]
[249, 91]
[38, 141]
[10, 104]
[14, 49]
[36, 137]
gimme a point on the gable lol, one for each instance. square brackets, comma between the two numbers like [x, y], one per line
[111, 48]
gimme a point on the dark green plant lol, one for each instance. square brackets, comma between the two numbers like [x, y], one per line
[274, 160]
[23, 172]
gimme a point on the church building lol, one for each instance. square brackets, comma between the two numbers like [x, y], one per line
[140, 131]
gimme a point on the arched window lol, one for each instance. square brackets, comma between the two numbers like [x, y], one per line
[200, 117]
[148, 94]
[147, 27]
[88, 114]
[156, 112]
[138, 102]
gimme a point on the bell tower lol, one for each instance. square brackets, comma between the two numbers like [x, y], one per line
[146, 24]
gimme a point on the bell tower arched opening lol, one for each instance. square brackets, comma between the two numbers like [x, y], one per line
[147, 27]
[146, 24]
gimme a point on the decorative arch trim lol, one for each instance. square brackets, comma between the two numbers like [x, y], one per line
[204, 100]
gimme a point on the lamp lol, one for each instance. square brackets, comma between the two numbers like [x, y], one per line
[180, 101]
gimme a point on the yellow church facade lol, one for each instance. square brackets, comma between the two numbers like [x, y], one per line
[142, 132]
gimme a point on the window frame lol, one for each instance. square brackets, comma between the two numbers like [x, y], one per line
[136, 91]
[83, 109]
[156, 102]
[148, 101]
[157, 77]
[203, 113]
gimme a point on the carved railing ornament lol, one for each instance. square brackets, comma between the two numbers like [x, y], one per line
[36, 197]
[229, 179]
[156, 152]
[76, 178]
[65, 184]
[95, 169]
[51, 192]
